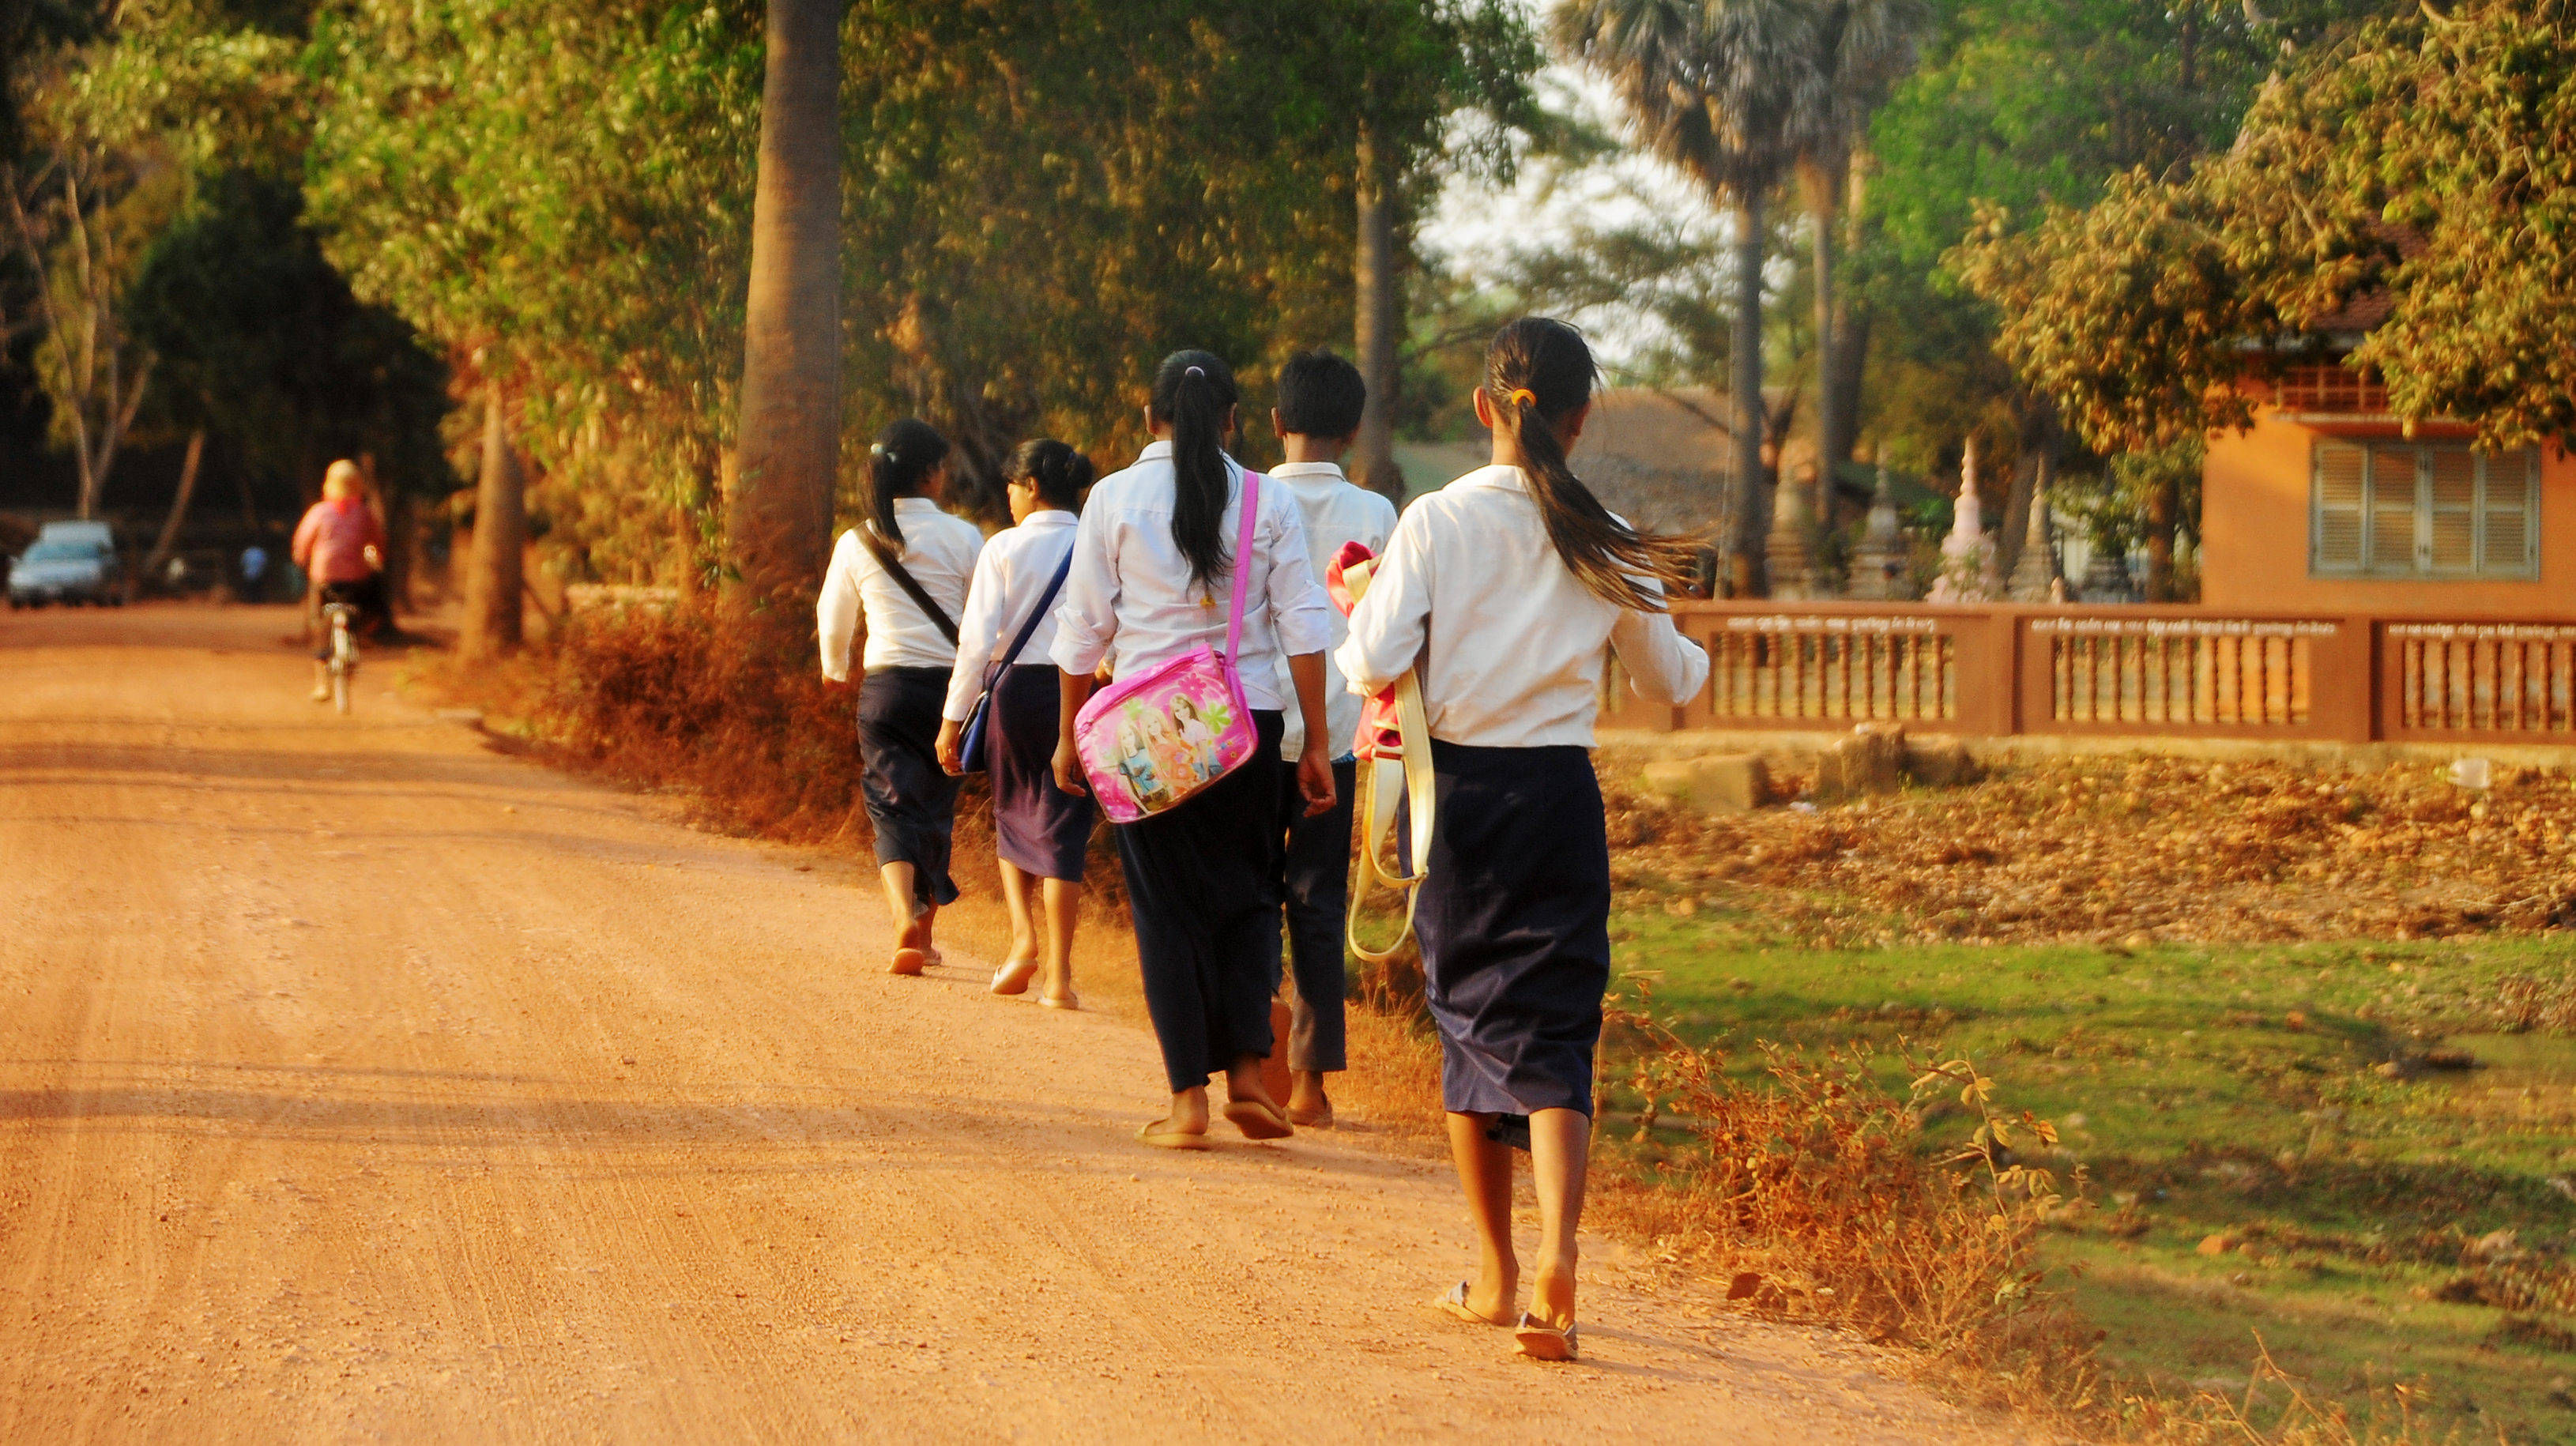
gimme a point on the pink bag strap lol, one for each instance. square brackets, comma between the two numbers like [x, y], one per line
[1242, 562]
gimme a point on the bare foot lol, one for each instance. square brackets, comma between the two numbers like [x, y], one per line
[1166, 1135]
[910, 952]
[1307, 1107]
[1552, 1296]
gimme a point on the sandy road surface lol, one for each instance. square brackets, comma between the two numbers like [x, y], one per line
[358, 1083]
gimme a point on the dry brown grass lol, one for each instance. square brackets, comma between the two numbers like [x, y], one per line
[1815, 1196]
[1812, 1192]
[2101, 848]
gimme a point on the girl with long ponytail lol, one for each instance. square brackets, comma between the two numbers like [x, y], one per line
[897, 580]
[1508, 589]
[1040, 832]
[1153, 569]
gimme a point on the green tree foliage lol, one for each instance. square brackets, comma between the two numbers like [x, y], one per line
[2026, 104]
[117, 132]
[560, 195]
[1045, 199]
[1040, 201]
[261, 343]
[2427, 157]
[160, 150]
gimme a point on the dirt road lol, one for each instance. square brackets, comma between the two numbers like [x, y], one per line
[358, 1083]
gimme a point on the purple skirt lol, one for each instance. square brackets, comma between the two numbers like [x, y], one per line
[1039, 828]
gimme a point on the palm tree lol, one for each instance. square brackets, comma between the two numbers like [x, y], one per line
[1862, 48]
[778, 519]
[1719, 88]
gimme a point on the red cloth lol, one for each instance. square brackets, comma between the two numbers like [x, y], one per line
[331, 542]
[1377, 719]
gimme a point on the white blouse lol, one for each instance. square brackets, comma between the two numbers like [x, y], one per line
[1130, 598]
[938, 550]
[1510, 642]
[1013, 570]
[1335, 512]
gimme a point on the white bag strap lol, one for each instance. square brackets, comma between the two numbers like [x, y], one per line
[1376, 787]
[1378, 793]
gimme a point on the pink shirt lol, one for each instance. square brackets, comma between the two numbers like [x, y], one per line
[331, 542]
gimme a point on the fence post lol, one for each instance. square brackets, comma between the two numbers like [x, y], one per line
[2343, 683]
[1987, 677]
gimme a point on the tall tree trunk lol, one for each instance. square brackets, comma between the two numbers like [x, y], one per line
[2164, 507]
[1838, 421]
[1744, 549]
[178, 504]
[492, 571]
[778, 520]
[1820, 185]
[2034, 439]
[1378, 300]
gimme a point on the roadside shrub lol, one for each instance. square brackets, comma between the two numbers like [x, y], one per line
[1815, 1194]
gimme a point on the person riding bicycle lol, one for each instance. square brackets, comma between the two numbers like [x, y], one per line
[340, 545]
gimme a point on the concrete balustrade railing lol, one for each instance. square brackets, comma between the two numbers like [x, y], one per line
[2004, 670]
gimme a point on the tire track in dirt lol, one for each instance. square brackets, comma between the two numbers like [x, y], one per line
[485, 1104]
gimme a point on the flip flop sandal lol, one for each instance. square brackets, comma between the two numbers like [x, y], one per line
[1311, 1119]
[907, 962]
[1543, 1342]
[1162, 1139]
[1070, 1001]
[1259, 1121]
[1014, 977]
[1454, 1305]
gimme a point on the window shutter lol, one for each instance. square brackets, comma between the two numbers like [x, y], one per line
[2392, 509]
[2335, 544]
[2454, 511]
[2511, 504]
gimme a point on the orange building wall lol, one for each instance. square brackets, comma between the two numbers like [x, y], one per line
[2254, 533]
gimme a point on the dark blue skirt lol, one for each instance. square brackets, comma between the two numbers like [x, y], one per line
[1515, 927]
[912, 802]
[1037, 826]
[1203, 890]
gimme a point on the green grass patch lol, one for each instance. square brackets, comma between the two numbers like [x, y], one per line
[2271, 1137]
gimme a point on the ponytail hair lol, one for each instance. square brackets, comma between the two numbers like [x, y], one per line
[1193, 391]
[1058, 472]
[902, 458]
[1538, 372]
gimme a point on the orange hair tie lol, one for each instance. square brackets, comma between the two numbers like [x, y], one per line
[1522, 395]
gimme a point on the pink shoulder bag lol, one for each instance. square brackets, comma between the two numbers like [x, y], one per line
[1153, 741]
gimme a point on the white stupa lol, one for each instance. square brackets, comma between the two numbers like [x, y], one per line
[1967, 554]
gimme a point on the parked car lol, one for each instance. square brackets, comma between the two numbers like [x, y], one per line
[71, 562]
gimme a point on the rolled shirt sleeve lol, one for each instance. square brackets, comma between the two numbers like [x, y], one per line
[1087, 619]
[1663, 666]
[836, 612]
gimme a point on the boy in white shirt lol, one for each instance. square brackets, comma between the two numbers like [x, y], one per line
[1318, 416]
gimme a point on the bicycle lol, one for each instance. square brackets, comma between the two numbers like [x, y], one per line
[344, 651]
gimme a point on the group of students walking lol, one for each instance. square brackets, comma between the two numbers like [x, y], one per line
[1503, 593]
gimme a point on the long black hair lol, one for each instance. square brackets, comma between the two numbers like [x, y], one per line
[1538, 373]
[904, 456]
[1193, 391]
[1058, 472]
